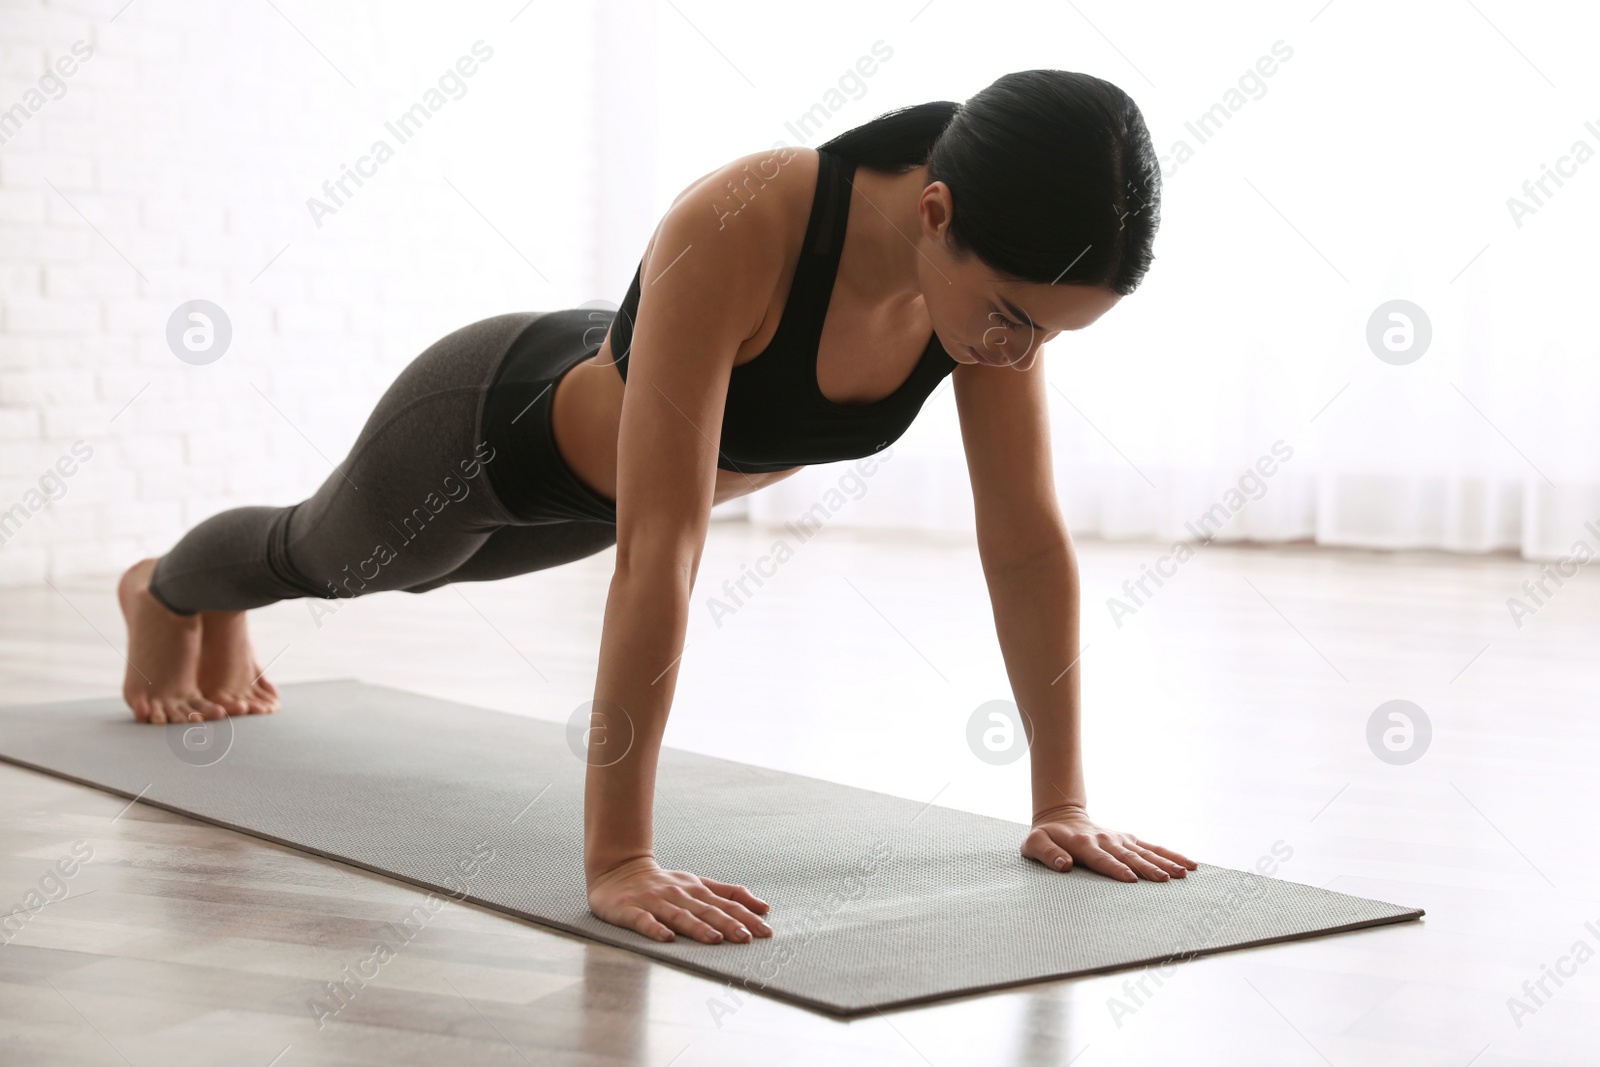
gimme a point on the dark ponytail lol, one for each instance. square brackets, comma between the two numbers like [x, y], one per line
[896, 140]
[1052, 173]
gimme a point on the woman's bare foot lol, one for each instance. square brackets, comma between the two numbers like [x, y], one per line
[162, 682]
[229, 674]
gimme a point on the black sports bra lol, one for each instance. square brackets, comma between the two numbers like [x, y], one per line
[776, 416]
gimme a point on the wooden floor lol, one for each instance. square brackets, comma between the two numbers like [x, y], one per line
[1226, 717]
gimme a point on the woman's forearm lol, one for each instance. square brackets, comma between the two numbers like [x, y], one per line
[1036, 621]
[646, 619]
[1036, 613]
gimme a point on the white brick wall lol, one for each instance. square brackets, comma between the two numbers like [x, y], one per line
[178, 163]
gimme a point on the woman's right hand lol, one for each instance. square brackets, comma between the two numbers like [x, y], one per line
[639, 895]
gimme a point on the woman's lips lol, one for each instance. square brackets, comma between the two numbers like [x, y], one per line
[981, 358]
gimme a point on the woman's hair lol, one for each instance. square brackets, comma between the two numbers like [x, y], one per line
[1052, 173]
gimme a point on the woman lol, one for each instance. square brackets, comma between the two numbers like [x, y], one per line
[804, 301]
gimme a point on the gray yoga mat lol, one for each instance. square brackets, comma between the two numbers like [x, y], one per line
[876, 901]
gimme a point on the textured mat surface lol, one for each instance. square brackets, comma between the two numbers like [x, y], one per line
[877, 901]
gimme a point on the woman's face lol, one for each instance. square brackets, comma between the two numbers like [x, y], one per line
[979, 316]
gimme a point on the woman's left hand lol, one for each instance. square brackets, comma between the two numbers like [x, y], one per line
[1065, 836]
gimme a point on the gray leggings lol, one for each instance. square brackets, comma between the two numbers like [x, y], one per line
[410, 508]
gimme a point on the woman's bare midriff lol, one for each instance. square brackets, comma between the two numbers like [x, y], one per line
[585, 416]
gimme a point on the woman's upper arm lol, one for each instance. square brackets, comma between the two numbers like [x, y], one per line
[1005, 432]
[705, 284]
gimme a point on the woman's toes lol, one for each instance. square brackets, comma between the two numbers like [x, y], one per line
[203, 709]
[231, 701]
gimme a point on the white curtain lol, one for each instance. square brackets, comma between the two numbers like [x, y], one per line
[1353, 157]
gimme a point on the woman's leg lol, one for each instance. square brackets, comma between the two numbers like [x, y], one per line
[513, 550]
[409, 505]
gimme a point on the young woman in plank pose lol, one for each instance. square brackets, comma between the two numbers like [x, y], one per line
[794, 306]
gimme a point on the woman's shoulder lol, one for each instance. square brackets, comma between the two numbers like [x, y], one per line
[782, 172]
[738, 228]
[761, 198]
